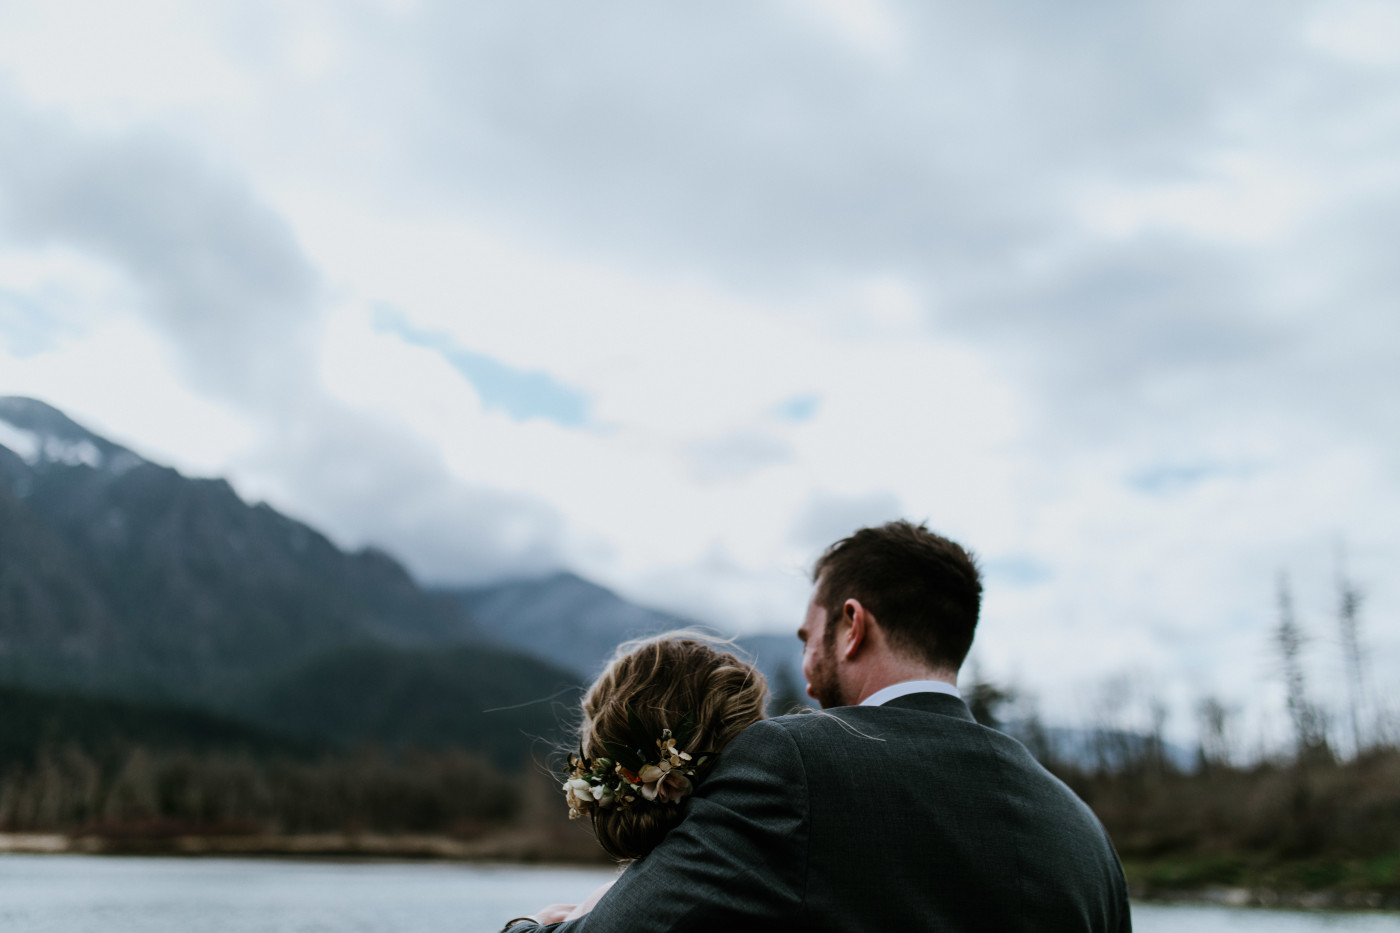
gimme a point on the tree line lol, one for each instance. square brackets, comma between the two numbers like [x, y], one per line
[135, 789]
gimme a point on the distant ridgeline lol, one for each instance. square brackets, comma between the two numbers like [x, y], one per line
[122, 578]
[575, 624]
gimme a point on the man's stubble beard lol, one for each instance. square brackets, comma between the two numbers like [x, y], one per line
[826, 688]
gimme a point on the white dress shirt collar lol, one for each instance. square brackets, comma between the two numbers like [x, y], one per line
[881, 697]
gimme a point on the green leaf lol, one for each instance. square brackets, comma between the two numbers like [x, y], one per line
[640, 738]
[625, 756]
[683, 732]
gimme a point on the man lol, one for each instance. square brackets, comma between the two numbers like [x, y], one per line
[896, 811]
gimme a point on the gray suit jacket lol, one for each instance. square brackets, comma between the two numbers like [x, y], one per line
[907, 816]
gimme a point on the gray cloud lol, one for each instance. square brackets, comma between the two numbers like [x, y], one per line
[371, 482]
[742, 137]
[744, 145]
[1098, 336]
[736, 455]
[222, 274]
[827, 518]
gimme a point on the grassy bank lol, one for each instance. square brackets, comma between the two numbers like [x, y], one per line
[1365, 883]
[1316, 832]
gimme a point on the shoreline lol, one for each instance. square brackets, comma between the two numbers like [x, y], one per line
[1269, 899]
[522, 846]
[538, 846]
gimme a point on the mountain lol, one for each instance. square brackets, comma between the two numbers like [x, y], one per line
[121, 576]
[576, 624]
[504, 705]
[562, 618]
[37, 720]
[1101, 750]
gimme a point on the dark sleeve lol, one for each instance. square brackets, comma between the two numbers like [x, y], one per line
[737, 861]
[1125, 910]
[1122, 906]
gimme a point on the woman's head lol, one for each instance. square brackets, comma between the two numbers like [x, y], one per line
[681, 682]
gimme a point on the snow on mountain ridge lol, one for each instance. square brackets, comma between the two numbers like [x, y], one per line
[26, 444]
[40, 434]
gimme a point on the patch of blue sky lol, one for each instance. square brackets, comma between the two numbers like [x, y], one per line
[26, 326]
[521, 394]
[1168, 480]
[799, 408]
[1016, 570]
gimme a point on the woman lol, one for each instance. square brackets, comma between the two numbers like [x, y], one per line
[654, 723]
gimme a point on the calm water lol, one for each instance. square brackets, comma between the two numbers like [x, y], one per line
[76, 894]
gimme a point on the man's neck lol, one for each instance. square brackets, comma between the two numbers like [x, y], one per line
[894, 675]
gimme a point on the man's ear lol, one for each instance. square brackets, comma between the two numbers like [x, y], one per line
[856, 620]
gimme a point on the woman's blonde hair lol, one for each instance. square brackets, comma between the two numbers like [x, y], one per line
[662, 679]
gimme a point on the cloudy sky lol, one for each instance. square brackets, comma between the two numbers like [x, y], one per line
[674, 295]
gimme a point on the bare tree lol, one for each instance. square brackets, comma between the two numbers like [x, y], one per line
[1022, 720]
[1308, 726]
[1127, 727]
[1216, 742]
[1108, 727]
[1387, 726]
[1349, 598]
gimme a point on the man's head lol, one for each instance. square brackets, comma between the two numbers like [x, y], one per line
[890, 602]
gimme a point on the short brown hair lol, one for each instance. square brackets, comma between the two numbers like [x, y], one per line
[662, 678]
[923, 589]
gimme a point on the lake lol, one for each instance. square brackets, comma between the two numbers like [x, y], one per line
[93, 894]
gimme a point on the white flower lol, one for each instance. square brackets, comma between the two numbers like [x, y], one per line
[670, 787]
[578, 793]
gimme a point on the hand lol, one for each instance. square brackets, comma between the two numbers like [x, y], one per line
[554, 913]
